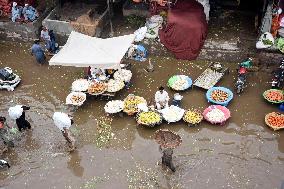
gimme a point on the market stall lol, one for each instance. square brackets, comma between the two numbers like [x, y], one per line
[271, 31]
[84, 51]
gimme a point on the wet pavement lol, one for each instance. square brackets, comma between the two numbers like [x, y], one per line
[244, 153]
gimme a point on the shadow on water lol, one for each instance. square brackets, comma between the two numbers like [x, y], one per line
[74, 164]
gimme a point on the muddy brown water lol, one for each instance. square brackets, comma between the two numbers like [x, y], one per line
[243, 153]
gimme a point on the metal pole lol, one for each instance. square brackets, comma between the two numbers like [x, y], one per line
[110, 22]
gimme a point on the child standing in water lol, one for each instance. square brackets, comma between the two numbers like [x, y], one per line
[177, 100]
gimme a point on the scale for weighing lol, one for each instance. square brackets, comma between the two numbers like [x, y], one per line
[211, 76]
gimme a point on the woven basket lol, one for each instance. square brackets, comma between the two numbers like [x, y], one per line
[276, 90]
[135, 109]
[271, 126]
[98, 93]
[152, 124]
[225, 110]
[190, 123]
[175, 78]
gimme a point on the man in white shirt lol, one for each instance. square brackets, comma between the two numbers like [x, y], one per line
[161, 98]
[44, 35]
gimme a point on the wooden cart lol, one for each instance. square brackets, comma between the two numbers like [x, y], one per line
[211, 76]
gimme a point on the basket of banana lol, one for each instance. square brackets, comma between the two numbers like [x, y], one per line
[131, 104]
[149, 119]
[192, 117]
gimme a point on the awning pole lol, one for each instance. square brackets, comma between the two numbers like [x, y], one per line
[110, 22]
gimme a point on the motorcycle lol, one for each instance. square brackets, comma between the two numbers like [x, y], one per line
[241, 81]
[245, 67]
[8, 79]
[278, 78]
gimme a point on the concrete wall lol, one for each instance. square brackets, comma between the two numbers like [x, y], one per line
[59, 27]
[64, 28]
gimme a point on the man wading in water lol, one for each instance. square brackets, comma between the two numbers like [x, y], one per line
[167, 141]
[68, 136]
[167, 158]
[21, 122]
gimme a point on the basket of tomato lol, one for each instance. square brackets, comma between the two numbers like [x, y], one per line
[219, 95]
[275, 120]
[274, 96]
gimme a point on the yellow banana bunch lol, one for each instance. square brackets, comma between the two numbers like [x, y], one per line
[193, 117]
[131, 102]
[149, 118]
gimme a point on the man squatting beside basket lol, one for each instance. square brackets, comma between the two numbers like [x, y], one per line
[161, 98]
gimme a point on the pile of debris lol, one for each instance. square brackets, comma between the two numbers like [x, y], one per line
[86, 23]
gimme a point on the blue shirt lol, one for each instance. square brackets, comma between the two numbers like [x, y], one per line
[38, 52]
[36, 48]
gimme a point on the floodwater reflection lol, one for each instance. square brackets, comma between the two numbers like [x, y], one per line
[243, 153]
[74, 164]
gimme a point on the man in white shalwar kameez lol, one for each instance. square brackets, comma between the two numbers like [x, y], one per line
[161, 99]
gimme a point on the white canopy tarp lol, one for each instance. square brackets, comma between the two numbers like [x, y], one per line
[82, 51]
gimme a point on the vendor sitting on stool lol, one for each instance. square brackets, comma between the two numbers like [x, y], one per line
[177, 100]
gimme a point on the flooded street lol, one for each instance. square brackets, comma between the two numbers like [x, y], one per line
[244, 153]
